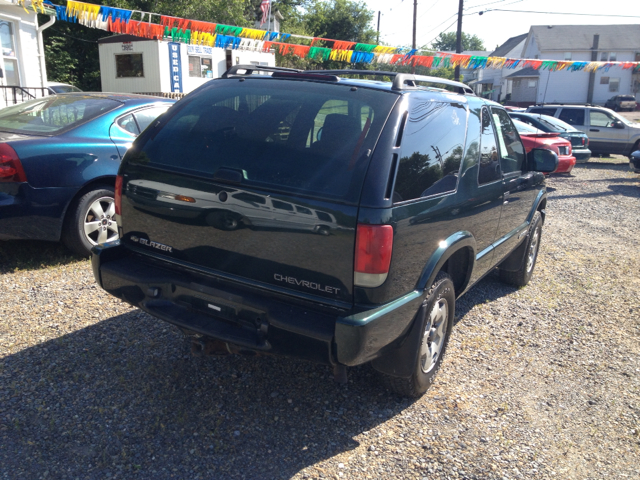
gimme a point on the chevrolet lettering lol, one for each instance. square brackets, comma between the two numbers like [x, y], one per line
[305, 283]
[322, 224]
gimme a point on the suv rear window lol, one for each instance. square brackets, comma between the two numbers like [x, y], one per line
[282, 135]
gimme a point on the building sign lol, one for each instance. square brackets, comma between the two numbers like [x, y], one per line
[176, 67]
[127, 47]
[199, 50]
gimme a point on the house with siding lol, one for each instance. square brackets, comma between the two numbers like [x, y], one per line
[585, 43]
[22, 69]
[493, 83]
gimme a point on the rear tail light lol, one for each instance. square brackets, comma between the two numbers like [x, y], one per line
[374, 244]
[10, 167]
[118, 194]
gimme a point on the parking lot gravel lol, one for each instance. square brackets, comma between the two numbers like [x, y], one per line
[541, 382]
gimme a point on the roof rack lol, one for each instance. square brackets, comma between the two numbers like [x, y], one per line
[250, 69]
[401, 81]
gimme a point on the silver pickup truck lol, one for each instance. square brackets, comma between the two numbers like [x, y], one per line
[608, 131]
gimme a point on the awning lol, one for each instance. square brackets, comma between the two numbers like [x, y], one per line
[487, 81]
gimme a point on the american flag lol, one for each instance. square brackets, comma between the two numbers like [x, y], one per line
[264, 6]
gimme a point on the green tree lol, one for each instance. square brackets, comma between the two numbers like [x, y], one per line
[446, 42]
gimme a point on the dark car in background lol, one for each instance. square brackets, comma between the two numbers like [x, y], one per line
[383, 203]
[620, 103]
[59, 157]
[579, 140]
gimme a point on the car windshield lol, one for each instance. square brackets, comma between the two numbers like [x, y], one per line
[555, 125]
[524, 129]
[53, 114]
[626, 98]
[621, 118]
[284, 135]
[64, 88]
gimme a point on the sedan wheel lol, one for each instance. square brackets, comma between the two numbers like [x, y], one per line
[90, 221]
[99, 221]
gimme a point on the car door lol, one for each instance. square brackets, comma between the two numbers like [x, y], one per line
[485, 206]
[576, 117]
[604, 137]
[519, 186]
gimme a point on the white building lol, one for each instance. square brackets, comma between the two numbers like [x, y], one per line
[130, 64]
[22, 56]
[493, 83]
[584, 43]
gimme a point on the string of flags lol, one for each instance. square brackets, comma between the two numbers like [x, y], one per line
[163, 27]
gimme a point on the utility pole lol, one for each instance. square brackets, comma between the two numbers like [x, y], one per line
[413, 44]
[378, 36]
[459, 40]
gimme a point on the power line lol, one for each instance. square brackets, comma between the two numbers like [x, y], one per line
[557, 13]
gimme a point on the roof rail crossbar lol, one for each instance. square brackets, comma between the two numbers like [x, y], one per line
[402, 80]
[250, 69]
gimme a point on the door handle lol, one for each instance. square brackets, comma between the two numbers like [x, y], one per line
[594, 130]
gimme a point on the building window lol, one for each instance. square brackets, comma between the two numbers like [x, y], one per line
[567, 56]
[129, 65]
[608, 56]
[200, 67]
[516, 83]
[614, 84]
[9, 63]
[532, 83]
[604, 80]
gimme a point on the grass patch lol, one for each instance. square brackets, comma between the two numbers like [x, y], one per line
[33, 255]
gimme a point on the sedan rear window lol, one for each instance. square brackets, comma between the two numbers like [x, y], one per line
[51, 115]
[282, 135]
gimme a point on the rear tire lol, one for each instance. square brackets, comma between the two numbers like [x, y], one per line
[90, 221]
[436, 320]
[521, 277]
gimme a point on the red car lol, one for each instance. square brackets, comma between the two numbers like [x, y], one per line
[534, 138]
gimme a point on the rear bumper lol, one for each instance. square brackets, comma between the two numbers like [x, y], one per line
[582, 155]
[251, 318]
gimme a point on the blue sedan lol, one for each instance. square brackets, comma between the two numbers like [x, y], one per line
[59, 157]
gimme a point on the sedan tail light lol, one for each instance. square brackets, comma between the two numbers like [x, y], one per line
[118, 195]
[10, 167]
[374, 244]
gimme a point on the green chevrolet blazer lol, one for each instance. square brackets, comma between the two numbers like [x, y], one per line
[333, 216]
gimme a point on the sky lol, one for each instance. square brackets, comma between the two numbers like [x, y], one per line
[493, 27]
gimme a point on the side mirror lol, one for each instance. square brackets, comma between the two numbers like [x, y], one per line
[542, 160]
[617, 124]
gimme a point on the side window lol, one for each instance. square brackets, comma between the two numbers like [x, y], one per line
[148, 115]
[128, 124]
[432, 147]
[600, 119]
[573, 116]
[543, 111]
[511, 148]
[489, 170]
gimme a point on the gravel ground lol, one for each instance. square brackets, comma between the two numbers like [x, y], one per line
[538, 383]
